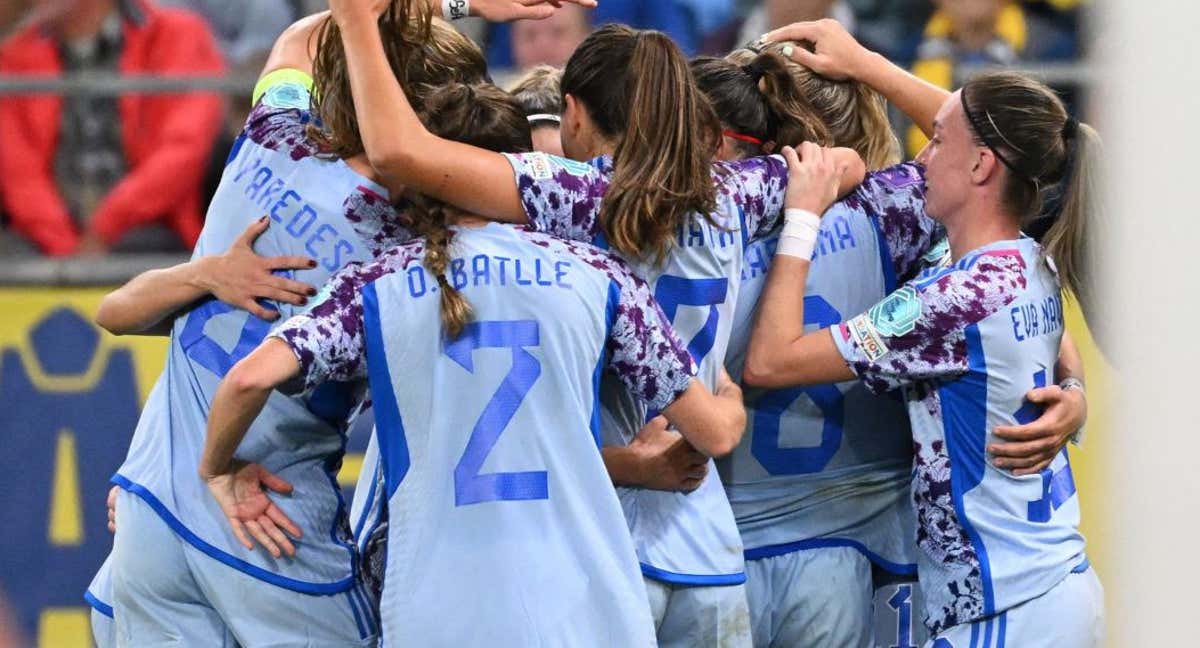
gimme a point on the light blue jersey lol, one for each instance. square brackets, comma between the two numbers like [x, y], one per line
[967, 342]
[500, 511]
[683, 539]
[830, 465]
[318, 208]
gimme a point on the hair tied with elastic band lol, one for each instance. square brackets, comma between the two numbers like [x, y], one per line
[1070, 128]
[754, 71]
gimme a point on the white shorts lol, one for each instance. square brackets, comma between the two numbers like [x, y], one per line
[99, 596]
[1070, 615]
[814, 597]
[168, 593]
[699, 616]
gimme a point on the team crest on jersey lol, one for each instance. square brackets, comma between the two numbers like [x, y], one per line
[867, 338]
[572, 167]
[897, 314]
[287, 96]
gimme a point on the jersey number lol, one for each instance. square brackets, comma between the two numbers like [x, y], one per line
[901, 602]
[673, 292]
[470, 486]
[205, 351]
[769, 409]
[1057, 487]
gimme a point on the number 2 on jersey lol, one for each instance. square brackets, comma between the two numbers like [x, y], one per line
[771, 406]
[471, 487]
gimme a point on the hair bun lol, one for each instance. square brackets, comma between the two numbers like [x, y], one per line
[753, 70]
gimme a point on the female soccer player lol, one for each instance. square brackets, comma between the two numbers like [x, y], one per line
[1001, 557]
[173, 549]
[651, 193]
[485, 380]
[540, 98]
[819, 484]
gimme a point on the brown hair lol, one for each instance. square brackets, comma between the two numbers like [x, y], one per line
[481, 115]
[1043, 148]
[538, 91]
[758, 97]
[636, 87]
[839, 113]
[423, 53]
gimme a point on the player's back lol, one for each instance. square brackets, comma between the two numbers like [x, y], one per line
[1005, 539]
[499, 506]
[685, 539]
[830, 465]
[319, 208]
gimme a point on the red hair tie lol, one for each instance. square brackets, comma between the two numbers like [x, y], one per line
[744, 138]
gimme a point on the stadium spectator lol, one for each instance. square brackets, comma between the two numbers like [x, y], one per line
[550, 41]
[999, 32]
[539, 95]
[79, 174]
[669, 16]
[773, 14]
[244, 30]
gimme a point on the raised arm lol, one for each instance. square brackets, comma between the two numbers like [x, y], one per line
[838, 56]
[400, 148]
[147, 303]
[780, 353]
[296, 46]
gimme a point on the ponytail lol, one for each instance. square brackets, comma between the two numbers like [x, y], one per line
[429, 221]
[1043, 151]
[483, 116]
[637, 88]
[1070, 237]
[795, 119]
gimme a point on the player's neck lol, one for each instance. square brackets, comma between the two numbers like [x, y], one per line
[979, 223]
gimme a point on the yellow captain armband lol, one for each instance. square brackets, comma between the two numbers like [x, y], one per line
[284, 88]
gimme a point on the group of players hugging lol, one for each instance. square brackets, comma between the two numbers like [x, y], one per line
[709, 366]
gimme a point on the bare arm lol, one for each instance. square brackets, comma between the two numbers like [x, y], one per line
[1029, 448]
[236, 485]
[145, 305]
[658, 459]
[403, 151]
[240, 398]
[780, 354]
[296, 46]
[838, 56]
[854, 169]
[712, 423]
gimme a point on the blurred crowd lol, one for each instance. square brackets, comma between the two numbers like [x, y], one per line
[90, 174]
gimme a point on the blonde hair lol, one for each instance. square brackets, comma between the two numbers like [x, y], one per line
[424, 53]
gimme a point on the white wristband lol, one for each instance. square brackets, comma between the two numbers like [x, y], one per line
[456, 9]
[798, 238]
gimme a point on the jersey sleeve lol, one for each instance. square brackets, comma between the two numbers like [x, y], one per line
[329, 340]
[280, 116]
[919, 332]
[644, 351]
[561, 197]
[897, 196]
[756, 186]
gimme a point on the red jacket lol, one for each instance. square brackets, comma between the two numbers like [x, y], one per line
[167, 138]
